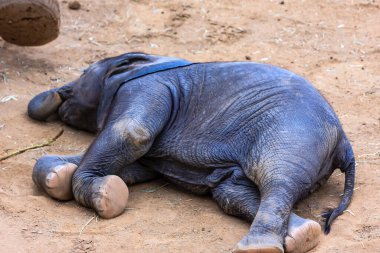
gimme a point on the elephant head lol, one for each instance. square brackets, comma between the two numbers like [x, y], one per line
[85, 102]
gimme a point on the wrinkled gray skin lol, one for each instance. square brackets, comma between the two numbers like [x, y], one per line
[257, 137]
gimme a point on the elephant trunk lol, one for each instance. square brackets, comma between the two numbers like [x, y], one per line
[44, 105]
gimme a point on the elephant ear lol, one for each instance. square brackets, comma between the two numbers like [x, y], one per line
[127, 67]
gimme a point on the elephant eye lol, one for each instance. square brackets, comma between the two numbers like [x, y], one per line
[65, 92]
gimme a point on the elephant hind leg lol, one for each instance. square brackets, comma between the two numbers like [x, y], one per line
[239, 196]
[303, 234]
[269, 227]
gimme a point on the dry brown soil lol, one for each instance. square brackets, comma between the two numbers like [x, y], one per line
[335, 44]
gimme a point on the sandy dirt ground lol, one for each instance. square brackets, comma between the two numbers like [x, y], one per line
[335, 44]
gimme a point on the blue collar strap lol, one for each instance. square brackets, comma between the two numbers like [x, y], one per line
[129, 67]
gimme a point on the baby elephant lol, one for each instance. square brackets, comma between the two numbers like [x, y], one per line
[256, 137]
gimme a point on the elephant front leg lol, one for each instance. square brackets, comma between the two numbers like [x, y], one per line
[53, 174]
[139, 114]
[95, 183]
[107, 195]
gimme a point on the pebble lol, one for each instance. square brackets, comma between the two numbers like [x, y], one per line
[74, 5]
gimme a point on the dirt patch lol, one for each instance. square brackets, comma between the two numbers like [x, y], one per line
[367, 232]
[334, 44]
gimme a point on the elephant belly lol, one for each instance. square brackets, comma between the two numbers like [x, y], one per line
[194, 179]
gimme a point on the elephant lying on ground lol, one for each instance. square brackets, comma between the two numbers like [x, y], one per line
[257, 137]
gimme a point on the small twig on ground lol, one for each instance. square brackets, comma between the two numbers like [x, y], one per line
[88, 222]
[376, 154]
[131, 208]
[348, 211]
[36, 232]
[353, 190]
[48, 143]
[8, 98]
[150, 190]
[369, 162]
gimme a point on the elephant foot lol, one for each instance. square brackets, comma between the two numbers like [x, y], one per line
[110, 196]
[303, 234]
[54, 175]
[58, 181]
[259, 244]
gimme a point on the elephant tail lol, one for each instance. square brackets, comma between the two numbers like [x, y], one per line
[347, 165]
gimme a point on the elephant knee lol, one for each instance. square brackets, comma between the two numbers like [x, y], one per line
[133, 132]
